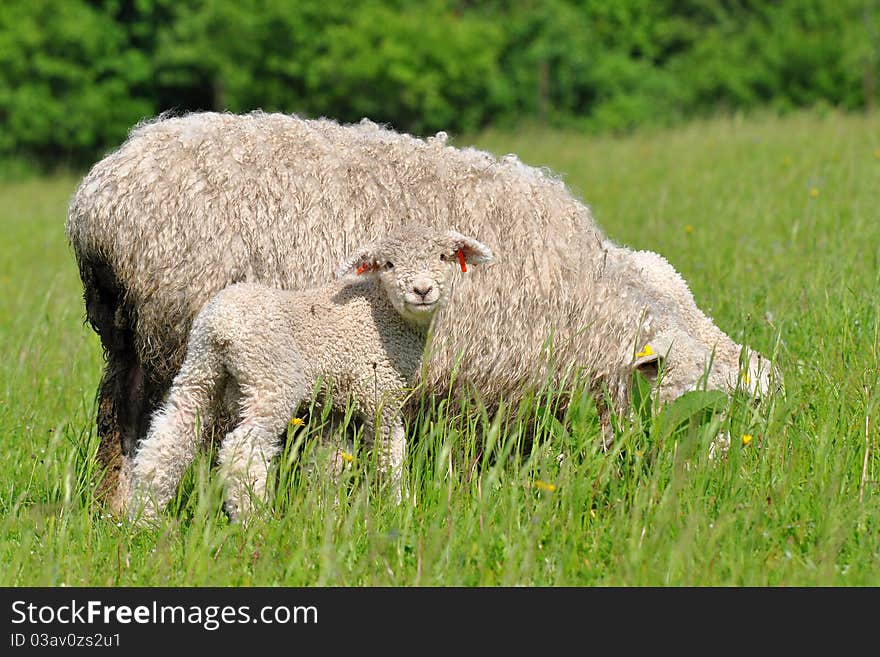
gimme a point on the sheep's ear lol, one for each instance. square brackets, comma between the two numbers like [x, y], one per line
[363, 263]
[648, 363]
[650, 357]
[470, 251]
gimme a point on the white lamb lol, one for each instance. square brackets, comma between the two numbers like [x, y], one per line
[363, 336]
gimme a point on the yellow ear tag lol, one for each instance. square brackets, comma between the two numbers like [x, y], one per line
[646, 351]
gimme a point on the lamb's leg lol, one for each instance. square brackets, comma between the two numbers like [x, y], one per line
[246, 453]
[175, 431]
[245, 457]
[389, 440]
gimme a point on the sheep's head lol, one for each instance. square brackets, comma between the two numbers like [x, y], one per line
[677, 363]
[680, 348]
[415, 266]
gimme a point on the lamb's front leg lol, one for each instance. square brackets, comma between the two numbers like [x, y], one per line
[174, 435]
[389, 441]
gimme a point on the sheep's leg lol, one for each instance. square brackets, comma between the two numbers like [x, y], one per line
[246, 453]
[113, 461]
[126, 397]
[175, 432]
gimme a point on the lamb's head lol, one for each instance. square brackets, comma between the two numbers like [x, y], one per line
[677, 346]
[415, 266]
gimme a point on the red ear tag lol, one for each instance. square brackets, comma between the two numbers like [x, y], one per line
[461, 262]
[364, 266]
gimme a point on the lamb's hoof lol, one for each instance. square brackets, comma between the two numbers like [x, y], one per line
[718, 448]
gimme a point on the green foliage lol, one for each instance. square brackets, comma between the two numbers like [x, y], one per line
[67, 80]
[422, 75]
[352, 60]
[75, 75]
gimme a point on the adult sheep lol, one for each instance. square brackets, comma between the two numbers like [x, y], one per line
[188, 205]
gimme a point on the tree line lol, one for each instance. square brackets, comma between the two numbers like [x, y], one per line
[75, 75]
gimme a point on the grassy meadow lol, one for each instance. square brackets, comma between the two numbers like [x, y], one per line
[774, 224]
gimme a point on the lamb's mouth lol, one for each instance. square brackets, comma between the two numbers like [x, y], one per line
[421, 306]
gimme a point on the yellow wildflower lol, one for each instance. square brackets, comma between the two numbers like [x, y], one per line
[688, 229]
[747, 438]
[297, 422]
[787, 161]
[814, 192]
[646, 351]
[348, 457]
[877, 153]
[545, 486]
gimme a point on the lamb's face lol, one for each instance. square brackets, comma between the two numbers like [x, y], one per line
[415, 266]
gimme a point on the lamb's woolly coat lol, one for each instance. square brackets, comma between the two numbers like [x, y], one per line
[189, 205]
[274, 346]
[264, 351]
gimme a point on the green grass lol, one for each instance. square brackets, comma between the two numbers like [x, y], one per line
[774, 224]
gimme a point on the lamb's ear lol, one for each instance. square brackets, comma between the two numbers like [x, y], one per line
[363, 263]
[470, 251]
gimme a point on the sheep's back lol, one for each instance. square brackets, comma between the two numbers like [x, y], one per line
[188, 205]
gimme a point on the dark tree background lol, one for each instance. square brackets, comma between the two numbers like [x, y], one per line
[75, 75]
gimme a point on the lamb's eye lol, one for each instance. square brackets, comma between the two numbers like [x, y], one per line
[389, 265]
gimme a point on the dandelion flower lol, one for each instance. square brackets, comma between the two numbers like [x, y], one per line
[787, 161]
[646, 351]
[814, 192]
[545, 486]
[747, 438]
[348, 457]
[877, 153]
[297, 422]
[688, 229]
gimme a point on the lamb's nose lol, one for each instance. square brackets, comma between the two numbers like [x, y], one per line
[423, 289]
